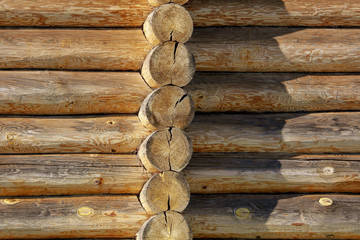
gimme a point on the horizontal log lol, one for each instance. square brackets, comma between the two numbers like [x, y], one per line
[274, 216]
[90, 134]
[71, 217]
[274, 92]
[276, 49]
[287, 132]
[31, 175]
[64, 92]
[123, 49]
[107, 13]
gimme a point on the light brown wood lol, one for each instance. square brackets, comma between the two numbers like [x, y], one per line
[274, 92]
[90, 134]
[168, 63]
[297, 132]
[276, 49]
[165, 191]
[169, 22]
[123, 49]
[65, 92]
[61, 174]
[167, 149]
[157, 3]
[274, 216]
[71, 217]
[165, 225]
[168, 106]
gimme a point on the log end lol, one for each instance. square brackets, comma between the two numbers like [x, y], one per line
[157, 3]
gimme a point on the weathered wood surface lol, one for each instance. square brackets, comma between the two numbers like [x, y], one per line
[71, 217]
[90, 134]
[274, 92]
[123, 13]
[287, 132]
[29, 175]
[276, 49]
[64, 92]
[123, 49]
[274, 216]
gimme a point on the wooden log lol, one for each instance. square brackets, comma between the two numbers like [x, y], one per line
[71, 217]
[274, 92]
[164, 192]
[165, 225]
[168, 63]
[28, 175]
[157, 3]
[166, 150]
[169, 22]
[274, 216]
[272, 173]
[63, 92]
[276, 49]
[72, 49]
[91, 134]
[297, 132]
[168, 106]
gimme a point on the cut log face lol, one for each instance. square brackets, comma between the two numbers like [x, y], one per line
[168, 149]
[166, 225]
[165, 191]
[169, 22]
[157, 3]
[168, 106]
[169, 63]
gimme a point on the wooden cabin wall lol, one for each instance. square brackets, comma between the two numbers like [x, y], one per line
[276, 135]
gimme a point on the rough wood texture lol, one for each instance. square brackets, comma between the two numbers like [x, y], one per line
[275, 12]
[276, 49]
[169, 22]
[28, 175]
[90, 134]
[58, 92]
[165, 225]
[157, 3]
[168, 106]
[274, 216]
[164, 150]
[272, 173]
[71, 217]
[165, 191]
[168, 63]
[297, 132]
[123, 49]
[274, 92]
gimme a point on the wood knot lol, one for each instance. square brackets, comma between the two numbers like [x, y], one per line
[328, 170]
[98, 181]
[10, 137]
[11, 201]
[242, 212]
[85, 211]
[325, 202]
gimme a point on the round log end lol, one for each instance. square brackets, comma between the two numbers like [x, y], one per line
[167, 149]
[169, 22]
[165, 191]
[157, 3]
[165, 225]
[169, 63]
[168, 106]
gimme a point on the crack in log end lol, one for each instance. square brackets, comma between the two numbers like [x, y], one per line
[171, 35]
[168, 202]
[180, 100]
[169, 143]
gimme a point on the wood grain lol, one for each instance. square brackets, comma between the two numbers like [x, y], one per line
[274, 216]
[71, 217]
[240, 49]
[65, 92]
[90, 134]
[123, 13]
[274, 92]
[287, 132]
[123, 49]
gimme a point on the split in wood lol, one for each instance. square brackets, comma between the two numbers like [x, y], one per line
[168, 106]
[169, 63]
[168, 149]
[165, 225]
[165, 191]
[169, 22]
[157, 3]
